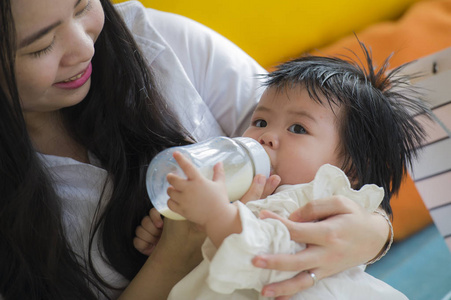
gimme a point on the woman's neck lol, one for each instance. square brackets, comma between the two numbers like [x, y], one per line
[49, 136]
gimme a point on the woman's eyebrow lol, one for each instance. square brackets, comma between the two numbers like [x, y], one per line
[40, 33]
[37, 35]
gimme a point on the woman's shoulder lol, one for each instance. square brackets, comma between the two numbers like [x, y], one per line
[149, 23]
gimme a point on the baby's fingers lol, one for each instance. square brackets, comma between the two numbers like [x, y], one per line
[187, 167]
[218, 172]
[177, 182]
[146, 238]
[156, 218]
[149, 234]
[142, 246]
[261, 187]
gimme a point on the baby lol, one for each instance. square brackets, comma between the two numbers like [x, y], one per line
[330, 127]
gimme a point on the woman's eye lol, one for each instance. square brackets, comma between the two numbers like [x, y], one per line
[44, 51]
[260, 123]
[85, 9]
[298, 129]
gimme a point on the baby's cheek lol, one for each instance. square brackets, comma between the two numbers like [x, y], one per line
[250, 133]
[296, 173]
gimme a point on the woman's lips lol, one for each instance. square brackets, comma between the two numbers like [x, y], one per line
[76, 81]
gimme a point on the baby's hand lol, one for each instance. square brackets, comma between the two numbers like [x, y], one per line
[195, 197]
[148, 233]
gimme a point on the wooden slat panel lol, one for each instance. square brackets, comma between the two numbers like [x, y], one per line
[434, 159]
[435, 190]
[432, 172]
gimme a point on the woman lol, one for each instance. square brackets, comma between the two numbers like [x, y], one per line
[85, 106]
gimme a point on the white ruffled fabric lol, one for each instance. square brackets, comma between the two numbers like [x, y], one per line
[227, 272]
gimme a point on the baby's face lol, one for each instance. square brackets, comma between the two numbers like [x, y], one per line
[298, 134]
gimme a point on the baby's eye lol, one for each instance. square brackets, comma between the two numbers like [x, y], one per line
[298, 129]
[260, 123]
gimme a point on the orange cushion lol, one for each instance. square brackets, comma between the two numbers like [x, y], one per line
[424, 29]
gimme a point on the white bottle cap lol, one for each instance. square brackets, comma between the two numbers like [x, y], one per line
[258, 154]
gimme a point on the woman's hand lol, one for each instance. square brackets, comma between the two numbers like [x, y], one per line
[343, 236]
[175, 255]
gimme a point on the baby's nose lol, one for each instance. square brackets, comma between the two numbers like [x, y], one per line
[270, 140]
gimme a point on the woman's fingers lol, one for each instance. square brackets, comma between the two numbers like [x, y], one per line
[339, 234]
[323, 208]
[312, 233]
[289, 287]
[304, 260]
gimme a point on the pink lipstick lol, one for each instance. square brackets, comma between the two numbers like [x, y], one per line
[76, 81]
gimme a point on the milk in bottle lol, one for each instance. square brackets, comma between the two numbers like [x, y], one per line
[242, 158]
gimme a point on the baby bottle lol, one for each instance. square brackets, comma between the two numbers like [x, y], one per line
[242, 158]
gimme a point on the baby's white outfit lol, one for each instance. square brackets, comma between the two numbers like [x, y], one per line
[227, 272]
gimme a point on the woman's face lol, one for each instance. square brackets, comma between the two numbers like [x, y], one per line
[55, 45]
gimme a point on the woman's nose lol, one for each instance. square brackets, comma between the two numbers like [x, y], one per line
[269, 139]
[79, 47]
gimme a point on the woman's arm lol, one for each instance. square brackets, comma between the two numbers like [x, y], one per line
[345, 236]
[178, 251]
[224, 75]
[175, 255]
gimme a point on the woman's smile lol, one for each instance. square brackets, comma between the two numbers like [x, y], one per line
[77, 80]
[53, 66]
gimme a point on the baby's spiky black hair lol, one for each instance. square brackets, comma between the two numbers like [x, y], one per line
[378, 131]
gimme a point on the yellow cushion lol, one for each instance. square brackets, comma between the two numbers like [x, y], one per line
[274, 31]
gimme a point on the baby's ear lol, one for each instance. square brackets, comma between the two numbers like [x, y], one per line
[353, 180]
[351, 172]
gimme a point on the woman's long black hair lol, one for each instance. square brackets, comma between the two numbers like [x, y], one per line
[124, 122]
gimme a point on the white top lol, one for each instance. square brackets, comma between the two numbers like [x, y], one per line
[227, 272]
[80, 187]
[208, 80]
